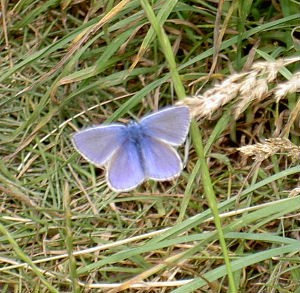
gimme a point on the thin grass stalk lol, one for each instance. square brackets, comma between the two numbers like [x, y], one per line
[188, 192]
[195, 133]
[69, 240]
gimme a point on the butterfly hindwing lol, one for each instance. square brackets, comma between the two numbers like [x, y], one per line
[125, 170]
[161, 161]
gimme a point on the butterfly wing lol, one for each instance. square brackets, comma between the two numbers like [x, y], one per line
[97, 144]
[170, 125]
[160, 160]
[125, 170]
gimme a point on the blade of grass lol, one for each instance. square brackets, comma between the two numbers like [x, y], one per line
[211, 197]
[166, 48]
[162, 16]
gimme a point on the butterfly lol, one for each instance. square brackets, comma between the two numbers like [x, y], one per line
[137, 151]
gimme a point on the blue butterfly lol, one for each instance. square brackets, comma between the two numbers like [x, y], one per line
[138, 151]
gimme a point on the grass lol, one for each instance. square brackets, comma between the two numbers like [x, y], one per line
[227, 224]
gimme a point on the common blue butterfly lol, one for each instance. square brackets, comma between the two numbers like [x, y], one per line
[138, 151]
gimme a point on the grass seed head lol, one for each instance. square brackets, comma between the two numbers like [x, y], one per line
[245, 88]
[262, 151]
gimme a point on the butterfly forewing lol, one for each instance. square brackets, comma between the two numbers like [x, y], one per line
[125, 170]
[170, 125]
[97, 144]
[161, 161]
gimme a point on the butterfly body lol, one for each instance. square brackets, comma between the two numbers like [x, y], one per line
[138, 151]
[134, 133]
[134, 136]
